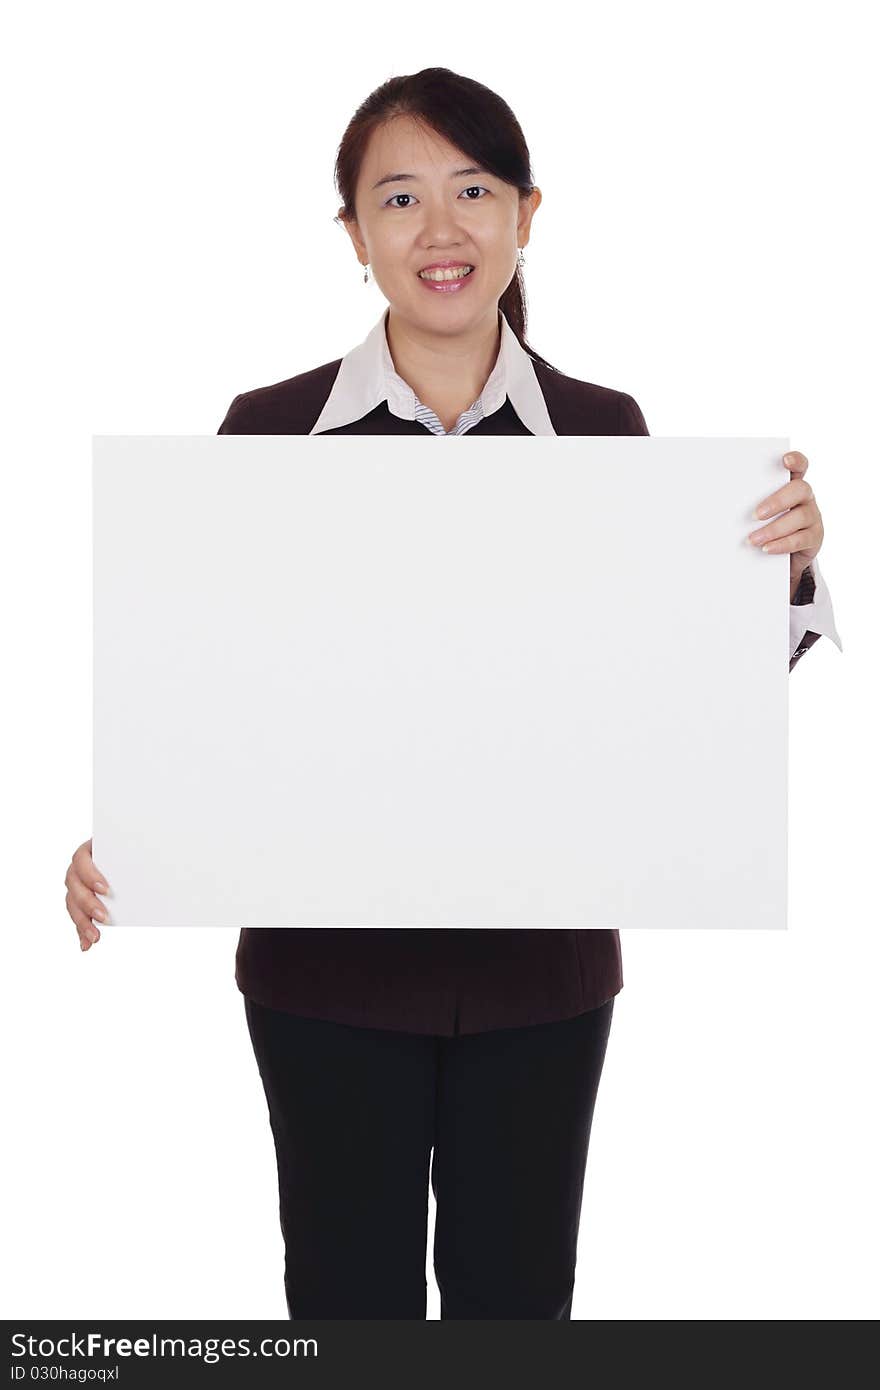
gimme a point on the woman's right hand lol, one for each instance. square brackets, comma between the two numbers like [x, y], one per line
[83, 882]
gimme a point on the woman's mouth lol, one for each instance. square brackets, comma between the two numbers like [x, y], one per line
[446, 281]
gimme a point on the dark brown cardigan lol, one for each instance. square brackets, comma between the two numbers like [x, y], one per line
[444, 980]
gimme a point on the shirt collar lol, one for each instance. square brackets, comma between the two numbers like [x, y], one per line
[366, 377]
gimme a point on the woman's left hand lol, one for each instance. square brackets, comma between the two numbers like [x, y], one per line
[799, 530]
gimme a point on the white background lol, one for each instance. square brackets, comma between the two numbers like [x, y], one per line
[707, 243]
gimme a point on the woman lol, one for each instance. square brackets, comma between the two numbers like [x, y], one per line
[376, 1047]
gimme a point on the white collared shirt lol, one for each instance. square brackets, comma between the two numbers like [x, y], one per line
[817, 616]
[367, 377]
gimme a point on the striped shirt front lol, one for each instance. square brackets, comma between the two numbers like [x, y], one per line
[466, 420]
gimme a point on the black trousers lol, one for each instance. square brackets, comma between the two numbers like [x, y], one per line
[355, 1113]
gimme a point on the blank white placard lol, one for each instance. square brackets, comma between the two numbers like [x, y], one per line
[444, 681]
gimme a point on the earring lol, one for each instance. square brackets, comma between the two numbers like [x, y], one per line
[366, 266]
[521, 258]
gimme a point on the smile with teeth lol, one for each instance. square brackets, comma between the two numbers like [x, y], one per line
[456, 273]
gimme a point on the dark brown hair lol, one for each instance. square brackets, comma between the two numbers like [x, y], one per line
[470, 116]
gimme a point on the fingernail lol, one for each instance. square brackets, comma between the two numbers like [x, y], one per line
[101, 916]
[100, 888]
[82, 945]
[761, 511]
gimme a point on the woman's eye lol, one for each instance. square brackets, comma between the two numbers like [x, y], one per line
[393, 199]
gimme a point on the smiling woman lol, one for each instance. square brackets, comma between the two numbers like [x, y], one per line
[485, 1046]
[413, 205]
[378, 1048]
[449, 1040]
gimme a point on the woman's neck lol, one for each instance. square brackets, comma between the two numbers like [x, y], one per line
[447, 372]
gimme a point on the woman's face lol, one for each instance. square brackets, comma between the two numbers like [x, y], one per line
[436, 213]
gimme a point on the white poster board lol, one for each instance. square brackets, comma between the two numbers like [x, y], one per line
[493, 682]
